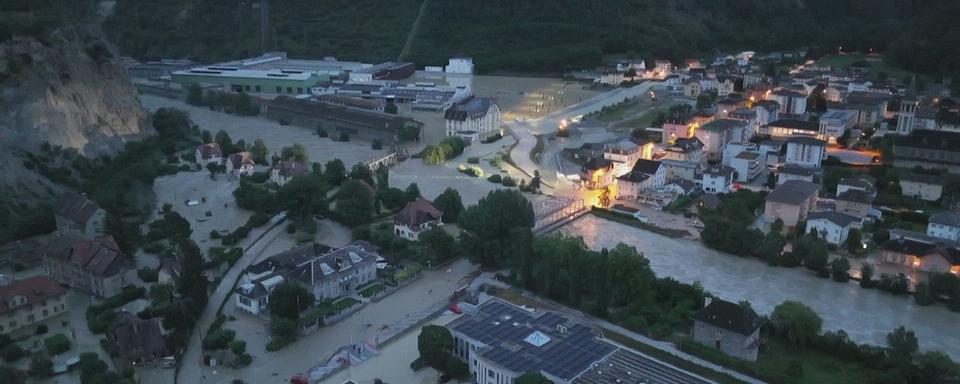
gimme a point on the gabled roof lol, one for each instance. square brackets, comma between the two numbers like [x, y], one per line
[922, 249]
[133, 338]
[76, 208]
[417, 212]
[793, 169]
[841, 219]
[471, 107]
[33, 289]
[856, 196]
[730, 316]
[719, 170]
[291, 168]
[100, 256]
[209, 150]
[597, 163]
[686, 145]
[647, 167]
[240, 158]
[793, 192]
[949, 218]
[720, 125]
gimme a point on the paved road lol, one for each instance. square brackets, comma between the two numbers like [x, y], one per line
[190, 363]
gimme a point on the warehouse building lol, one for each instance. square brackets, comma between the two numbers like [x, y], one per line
[335, 119]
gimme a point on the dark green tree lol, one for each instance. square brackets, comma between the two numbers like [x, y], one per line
[796, 322]
[194, 95]
[438, 244]
[435, 344]
[855, 241]
[450, 204]
[41, 366]
[361, 171]
[354, 203]
[902, 345]
[839, 269]
[259, 151]
[335, 172]
[412, 192]
[288, 300]
[490, 222]
[866, 276]
[295, 152]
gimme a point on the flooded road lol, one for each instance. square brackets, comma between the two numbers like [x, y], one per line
[866, 315]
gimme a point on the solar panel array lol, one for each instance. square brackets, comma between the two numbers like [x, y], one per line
[627, 367]
[503, 327]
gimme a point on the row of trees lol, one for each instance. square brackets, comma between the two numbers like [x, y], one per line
[899, 362]
[230, 102]
[447, 148]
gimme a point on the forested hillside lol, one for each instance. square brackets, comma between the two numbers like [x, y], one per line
[537, 35]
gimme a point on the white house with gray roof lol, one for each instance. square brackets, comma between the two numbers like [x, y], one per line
[473, 118]
[944, 225]
[832, 226]
[806, 152]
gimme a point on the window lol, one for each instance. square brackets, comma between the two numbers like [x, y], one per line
[289, 89]
[279, 90]
[299, 90]
[246, 88]
[30, 318]
[257, 88]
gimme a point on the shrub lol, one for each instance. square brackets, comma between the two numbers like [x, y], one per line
[12, 353]
[495, 178]
[41, 329]
[376, 145]
[344, 136]
[473, 160]
[508, 181]
[148, 275]
[322, 132]
[284, 122]
[57, 344]
[470, 170]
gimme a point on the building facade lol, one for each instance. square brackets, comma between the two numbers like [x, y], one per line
[473, 118]
[805, 152]
[791, 202]
[944, 225]
[76, 214]
[728, 327]
[30, 301]
[95, 266]
[416, 217]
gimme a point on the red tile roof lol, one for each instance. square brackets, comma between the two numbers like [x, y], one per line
[76, 208]
[100, 256]
[34, 289]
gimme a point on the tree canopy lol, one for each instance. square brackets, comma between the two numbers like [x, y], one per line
[490, 223]
[796, 322]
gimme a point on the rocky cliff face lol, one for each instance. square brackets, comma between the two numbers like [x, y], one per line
[68, 90]
[72, 93]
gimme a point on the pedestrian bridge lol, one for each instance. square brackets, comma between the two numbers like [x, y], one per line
[554, 212]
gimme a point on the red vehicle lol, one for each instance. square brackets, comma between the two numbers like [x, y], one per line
[298, 379]
[455, 309]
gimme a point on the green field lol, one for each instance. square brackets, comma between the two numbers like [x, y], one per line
[875, 68]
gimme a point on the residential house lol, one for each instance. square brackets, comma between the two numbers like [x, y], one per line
[725, 86]
[417, 216]
[95, 266]
[76, 214]
[475, 118]
[928, 149]
[610, 77]
[773, 148]
[753, 123]
[792, 128]
[747, 165]
[869, 107]
[680, 187]
[329, 273]
[718, 179]
[209, 153]
[687, 150]
[286, 170]
[679, 127]
[791, 102]
[944, 225]
[135, 341]
[692, 87]
[768, 111]
[679, 170]
[854, 202]
[920, 186]
[921, 256]
[597, 173]
[731, 328]
[645, 176]
[791, 202]
[794, 172]
[862, 183]
[835, 123]
[29, 301]
[716, 134]
[625, 153]
[832, 226]
[805, 152]
[240, 164]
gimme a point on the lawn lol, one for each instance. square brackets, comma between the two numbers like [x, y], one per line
[344, 303]
[371, 290]
[774, 364]
[818, 368]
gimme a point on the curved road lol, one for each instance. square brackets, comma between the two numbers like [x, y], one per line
[190, 371]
